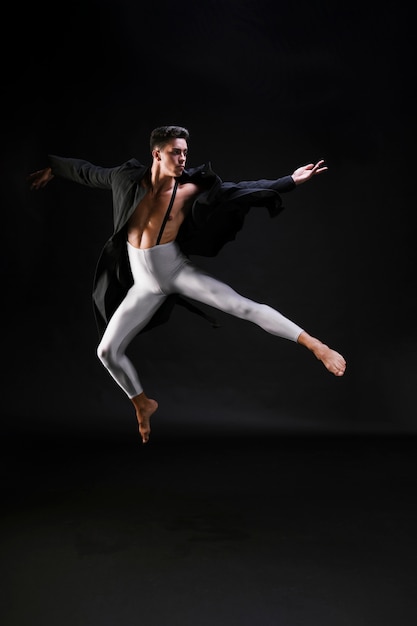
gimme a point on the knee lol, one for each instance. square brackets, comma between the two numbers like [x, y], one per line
[105, 354]
[254, 311]
[249, 310]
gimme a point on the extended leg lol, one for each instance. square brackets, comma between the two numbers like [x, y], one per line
[202, 287]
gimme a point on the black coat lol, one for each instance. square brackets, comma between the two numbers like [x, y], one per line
[216, 216]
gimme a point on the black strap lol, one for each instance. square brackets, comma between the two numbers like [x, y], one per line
[171, 202]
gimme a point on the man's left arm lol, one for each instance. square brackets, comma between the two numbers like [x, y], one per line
[287, 183]
[281, 185]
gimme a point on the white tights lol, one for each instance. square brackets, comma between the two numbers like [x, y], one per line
[157, 273]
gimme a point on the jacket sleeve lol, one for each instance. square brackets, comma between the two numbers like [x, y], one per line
[83, 172]
[280, 185]
[232, 197]
[286, 183]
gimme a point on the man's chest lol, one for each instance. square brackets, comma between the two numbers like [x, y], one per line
[152, 207]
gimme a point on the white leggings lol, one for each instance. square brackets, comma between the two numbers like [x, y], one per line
[157, 273]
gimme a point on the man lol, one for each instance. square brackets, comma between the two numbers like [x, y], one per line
[162, 214]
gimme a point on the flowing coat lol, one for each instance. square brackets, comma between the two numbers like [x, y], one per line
[217, 214]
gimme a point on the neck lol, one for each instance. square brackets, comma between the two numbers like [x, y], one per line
[158, 180]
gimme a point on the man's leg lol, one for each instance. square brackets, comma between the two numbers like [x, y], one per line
[200, 286]
[129, 318]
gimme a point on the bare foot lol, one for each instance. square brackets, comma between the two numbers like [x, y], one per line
[145, 407]
[332, 360]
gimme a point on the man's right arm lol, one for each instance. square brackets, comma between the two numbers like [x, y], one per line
[76, 170]
[40, 178]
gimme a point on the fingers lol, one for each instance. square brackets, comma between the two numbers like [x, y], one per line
[315, 167]
[36, 184]
[319, 167]
[37, 180]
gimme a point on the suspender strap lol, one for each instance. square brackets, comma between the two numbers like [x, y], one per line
[171, 202]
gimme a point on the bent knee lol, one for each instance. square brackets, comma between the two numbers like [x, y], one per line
[105, 354]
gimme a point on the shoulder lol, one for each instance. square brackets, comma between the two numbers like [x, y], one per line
[132, 165]
[203, 176]
[188, 192]
[131, 170]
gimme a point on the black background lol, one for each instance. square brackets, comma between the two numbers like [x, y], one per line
[271, 492]
[263, 88]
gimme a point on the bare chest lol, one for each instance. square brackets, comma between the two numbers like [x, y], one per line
[148, 216]
[152, 209]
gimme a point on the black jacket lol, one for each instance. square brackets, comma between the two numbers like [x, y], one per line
[216, 216]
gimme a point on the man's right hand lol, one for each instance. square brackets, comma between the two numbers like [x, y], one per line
[40, 178]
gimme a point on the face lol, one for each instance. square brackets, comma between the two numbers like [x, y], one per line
[172, 157]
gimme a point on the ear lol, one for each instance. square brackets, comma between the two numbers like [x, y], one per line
[156, 154]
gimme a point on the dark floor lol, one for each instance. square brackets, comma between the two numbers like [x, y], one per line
[206, 531]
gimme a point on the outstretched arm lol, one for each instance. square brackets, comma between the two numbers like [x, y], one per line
[304, 173]
[40, 178]
[281, 185]
[77, 171]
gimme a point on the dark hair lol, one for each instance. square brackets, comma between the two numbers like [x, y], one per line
[163, 134]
